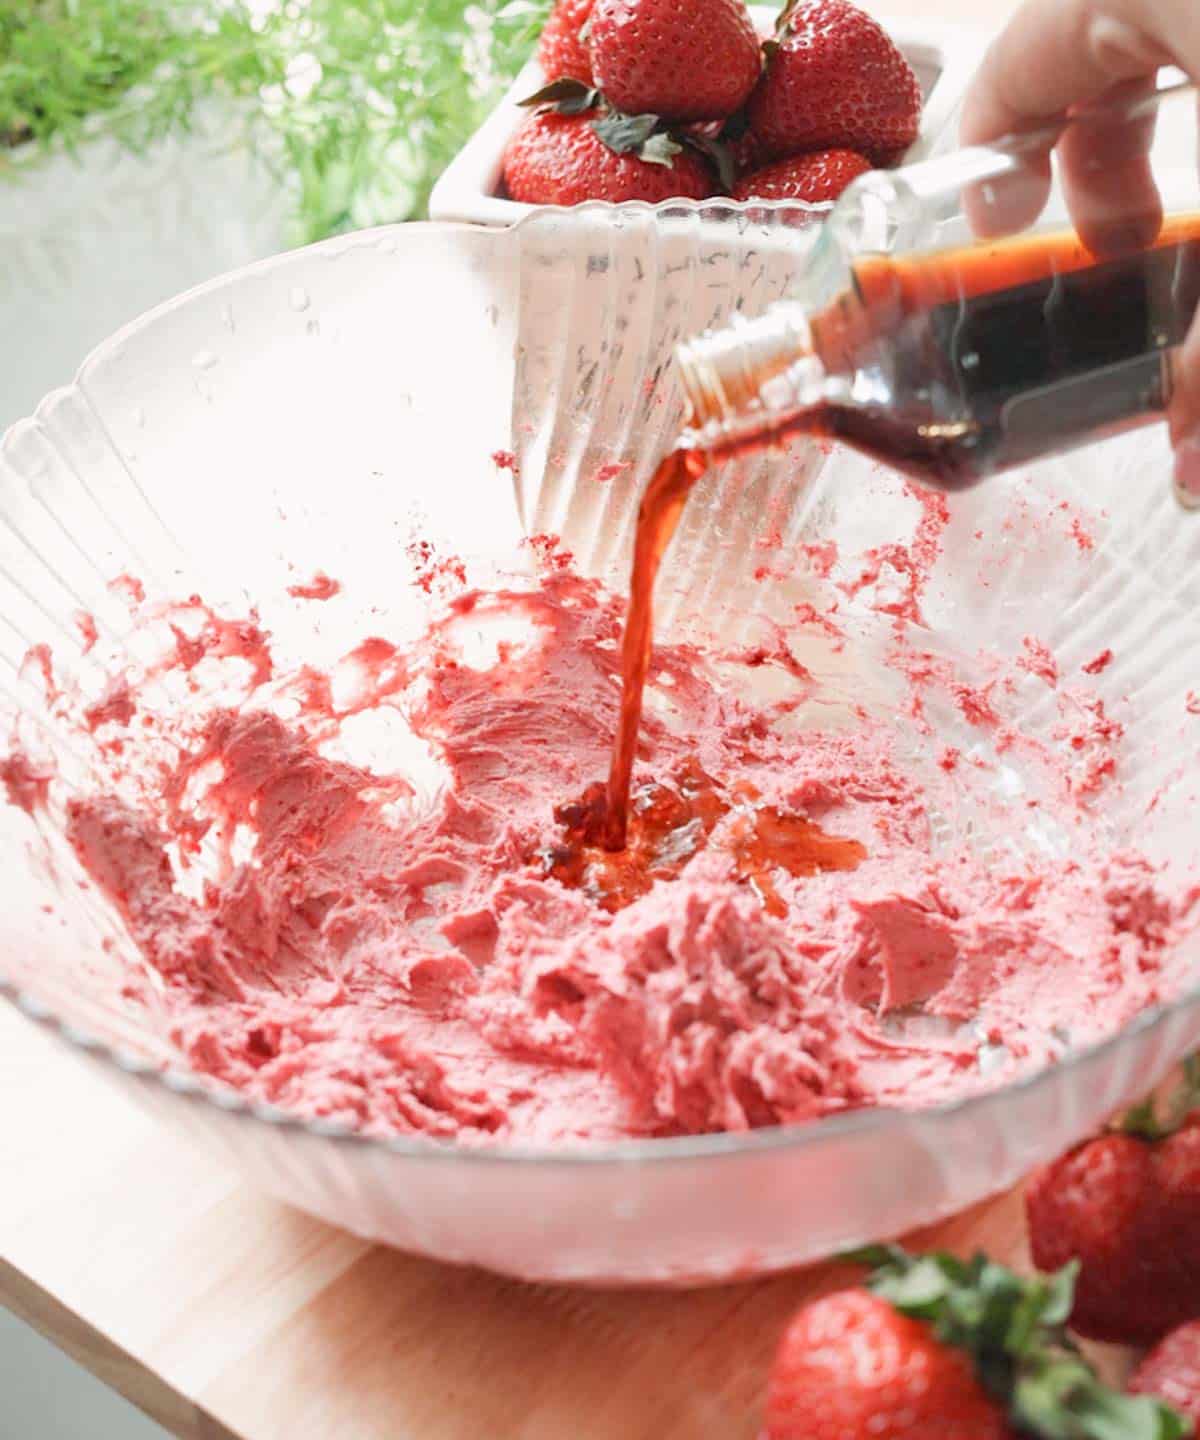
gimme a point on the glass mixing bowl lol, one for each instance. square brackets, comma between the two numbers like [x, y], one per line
[307, 413]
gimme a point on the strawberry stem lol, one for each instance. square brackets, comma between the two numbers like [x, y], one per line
[1144, 1121]
[1014, 1330]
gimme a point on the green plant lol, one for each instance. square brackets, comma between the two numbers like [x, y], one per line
[358, 104]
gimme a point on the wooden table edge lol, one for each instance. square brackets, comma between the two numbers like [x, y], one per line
[111, 1364]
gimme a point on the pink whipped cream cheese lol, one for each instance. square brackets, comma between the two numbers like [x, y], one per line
[348, 943]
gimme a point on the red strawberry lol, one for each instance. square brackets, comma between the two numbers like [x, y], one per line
[560, 160]
[1127, 1208]
[561, 51]
[678, 59]
[849, 1365]
[1171, 1371]
[834, 78]
[747, 153]
[937, 1348]
[822, 175]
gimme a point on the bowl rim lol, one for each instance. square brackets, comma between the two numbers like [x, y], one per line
[202, 1091]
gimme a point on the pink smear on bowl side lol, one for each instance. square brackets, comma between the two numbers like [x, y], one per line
[320, 587]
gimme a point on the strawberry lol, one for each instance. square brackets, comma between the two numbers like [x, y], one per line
[850, 1365]
[1171, 1371]
[816, 177]
[936, 1348]
[747, 152]
[834, 78]
[1127, 1208]
[556, 159]
[562, 50]
[678, 59]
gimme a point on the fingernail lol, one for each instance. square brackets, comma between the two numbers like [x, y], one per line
[1187, 471]
[1122, 49]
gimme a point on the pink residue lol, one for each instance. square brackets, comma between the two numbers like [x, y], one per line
[611, 471]
[807, 614]
[1083, 538]
[320, 587]
[114, 707]
[975, 703]
[549, 552]
[38, 661]
[504, 460]
[822, 555]
[201, 634]
[911, 563]
[1192, 703]
[1094, 743]
[1098, 663]
[85, 623]
[1038, 660]
[26, 782]
[434, 570]
[949, 758]
[777, 654]
[128, 589]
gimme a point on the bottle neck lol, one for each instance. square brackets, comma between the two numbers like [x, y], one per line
[751, 378]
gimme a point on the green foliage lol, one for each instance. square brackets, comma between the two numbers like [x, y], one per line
[359, 104]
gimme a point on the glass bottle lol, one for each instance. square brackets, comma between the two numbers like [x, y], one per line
[970, 313]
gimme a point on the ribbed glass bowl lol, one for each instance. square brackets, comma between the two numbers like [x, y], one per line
[305, 414]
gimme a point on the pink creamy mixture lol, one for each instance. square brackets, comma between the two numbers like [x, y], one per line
[319, 936]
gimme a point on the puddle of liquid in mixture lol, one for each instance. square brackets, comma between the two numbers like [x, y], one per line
[667, 824]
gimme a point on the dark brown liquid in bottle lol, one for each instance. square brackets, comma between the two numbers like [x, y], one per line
[995, 355]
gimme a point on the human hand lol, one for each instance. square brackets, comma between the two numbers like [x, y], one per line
[1055, 56]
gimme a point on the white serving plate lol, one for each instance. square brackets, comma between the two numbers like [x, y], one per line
[943, 57]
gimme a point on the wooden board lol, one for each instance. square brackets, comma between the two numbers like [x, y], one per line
[223, 1314]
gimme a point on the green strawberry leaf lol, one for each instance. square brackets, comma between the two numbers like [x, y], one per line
[641, 135]
[567, 96]
[1043, 1393]
[1012, 1327]
[718, 155]
[1060, 1294]
[1041, 1307]
[877, 1257]
[1104, 1415]
[1142, 1121]
[1061, 1399]
[625, 133]
[921, 1291]
[660, 149]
